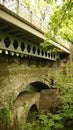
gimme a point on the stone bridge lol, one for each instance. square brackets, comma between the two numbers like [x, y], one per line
[26, 69]
[22, 81]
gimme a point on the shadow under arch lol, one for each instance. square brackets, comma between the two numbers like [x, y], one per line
[38, 86]
[32, 113]
[27, 101]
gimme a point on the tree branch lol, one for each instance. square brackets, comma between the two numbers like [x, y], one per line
[68, 39]
[69, 27]
[68, 5]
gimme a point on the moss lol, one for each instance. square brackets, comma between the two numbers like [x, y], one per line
[4, 118]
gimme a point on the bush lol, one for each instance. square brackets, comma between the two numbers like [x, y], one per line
[4, 118]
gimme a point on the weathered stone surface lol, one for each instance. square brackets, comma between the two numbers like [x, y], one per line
[23, 104]
[16, 77]
[49, 100]
[16, 74]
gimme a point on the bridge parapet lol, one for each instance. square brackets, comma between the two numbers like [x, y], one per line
[13, 45]
[20, 9]
[24, 21]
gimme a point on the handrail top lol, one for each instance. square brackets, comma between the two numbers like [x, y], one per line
[3, 8]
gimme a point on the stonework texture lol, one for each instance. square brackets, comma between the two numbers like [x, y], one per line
[16, 76]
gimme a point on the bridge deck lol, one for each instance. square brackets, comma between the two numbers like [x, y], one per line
[16, 25]
[19, 25]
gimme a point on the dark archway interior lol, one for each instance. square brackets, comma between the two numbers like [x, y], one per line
[38, 86]
[32, 114]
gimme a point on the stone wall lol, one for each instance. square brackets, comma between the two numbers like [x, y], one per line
[19, 80]
[49, 100]
[16, 74]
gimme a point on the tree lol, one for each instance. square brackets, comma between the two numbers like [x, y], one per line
[39, 7]
[61, 21]
[27, 3]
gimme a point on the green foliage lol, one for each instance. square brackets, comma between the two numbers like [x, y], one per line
[60, 26]
[10, 103]
[27, 3]
[51, 121]
[4, 117]
[38, 7]
[45, 122]
[61, 21]
[28, 126]
[65, 85]
[63, 118]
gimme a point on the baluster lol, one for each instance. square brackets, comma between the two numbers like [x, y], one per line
[18, 7]
[3, 2]
[31, 16]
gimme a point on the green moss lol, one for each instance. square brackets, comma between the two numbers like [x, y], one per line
[4, 118]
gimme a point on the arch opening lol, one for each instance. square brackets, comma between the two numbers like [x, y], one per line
[22, 46]
[15, 44]
[32, 114]
[7, 42]
[38, 86]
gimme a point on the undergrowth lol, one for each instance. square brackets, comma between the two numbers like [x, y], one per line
[62, 119]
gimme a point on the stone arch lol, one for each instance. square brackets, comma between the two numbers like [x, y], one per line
[32, 113]
[25, 99]
[24, 103]
[37, 86]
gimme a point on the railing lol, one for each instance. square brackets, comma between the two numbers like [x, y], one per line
[14, 46]
[19, 8]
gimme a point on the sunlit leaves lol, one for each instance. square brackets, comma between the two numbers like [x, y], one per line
[39, 7]
[61, 22]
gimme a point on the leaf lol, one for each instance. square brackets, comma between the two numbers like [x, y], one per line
[57, 117]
